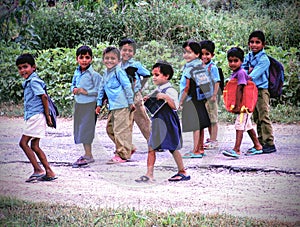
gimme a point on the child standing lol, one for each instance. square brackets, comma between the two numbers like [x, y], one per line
[119, 92]
[85, 85]
[257, 64]
[166, 132]
[207, 53]
[235, 58]
[194, 114]
[35, 109]
[128, 49]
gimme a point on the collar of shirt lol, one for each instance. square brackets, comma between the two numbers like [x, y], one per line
[32, 75]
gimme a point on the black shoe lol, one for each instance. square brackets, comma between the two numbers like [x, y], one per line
[267, 149]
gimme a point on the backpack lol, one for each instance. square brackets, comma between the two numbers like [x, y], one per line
[222, 83]
[249, 99]
[276, 77]
[204, 84]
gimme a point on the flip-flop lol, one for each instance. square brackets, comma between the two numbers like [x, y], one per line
[253, 151]
[192, 155]
[144, 179]
[182, 177]
[45, 178]
[34, 177]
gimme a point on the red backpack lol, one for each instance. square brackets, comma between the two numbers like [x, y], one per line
[250, 94]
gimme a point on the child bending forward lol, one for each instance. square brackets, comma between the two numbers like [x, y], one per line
[165, 132]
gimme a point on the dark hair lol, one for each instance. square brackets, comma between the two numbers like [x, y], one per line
[236, 52]
[165, 68]
[25, 58]
[111, 49]
[84, 50]
[129, 41]
[195, 46]
[258, 34]
[208, 45]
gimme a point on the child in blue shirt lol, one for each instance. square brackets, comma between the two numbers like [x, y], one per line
[35, 109]
[166, 131]
[117, 87]
[128, 49]
[257, 63]
[207, 53]
[85, 85]
[243, 123]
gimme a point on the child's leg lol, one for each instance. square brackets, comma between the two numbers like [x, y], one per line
[200, 148]
[150, 163]
[238, 141]
[196, 135]
[30, 154]
[88, 150]
[213, 131]
[42, 157]
[254, 139]
[178, 159]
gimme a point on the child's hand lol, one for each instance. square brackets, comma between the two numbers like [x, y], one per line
[82, 91]
[161, 96]
[145, 98]
[213, 98]
[75, 91]
[49, 121]
[97, 110]
[250, 69]
[132, 107]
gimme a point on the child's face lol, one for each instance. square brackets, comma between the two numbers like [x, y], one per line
[189, 55]
[127, 52]
[206, 56]
[256, 45]
[110, 60]
[234, 63]
[84, 60]
[25, 70]
[158, 78]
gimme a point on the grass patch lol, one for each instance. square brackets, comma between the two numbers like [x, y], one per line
[15, 212]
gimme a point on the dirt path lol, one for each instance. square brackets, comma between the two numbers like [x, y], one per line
[263, 186]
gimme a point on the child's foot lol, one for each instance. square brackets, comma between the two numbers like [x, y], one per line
[116, 160]
[83, 161]
[179, 177]
[231, 153]
[34, 177]
[210, 145]
[193, 155]
[144, 179]
[254, 151]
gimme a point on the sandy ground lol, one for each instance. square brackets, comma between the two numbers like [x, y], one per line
[262, 186]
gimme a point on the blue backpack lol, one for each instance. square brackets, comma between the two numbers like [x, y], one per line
[276, 77]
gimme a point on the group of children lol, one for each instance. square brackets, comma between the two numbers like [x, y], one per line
[125, 103]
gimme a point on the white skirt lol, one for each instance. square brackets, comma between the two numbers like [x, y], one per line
[35, 126]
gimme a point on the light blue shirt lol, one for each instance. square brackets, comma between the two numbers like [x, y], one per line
[88, 80]
[117, 87]
[34, 87]
[187, 75]
[142, 71]
[213, 71]
[261, 64]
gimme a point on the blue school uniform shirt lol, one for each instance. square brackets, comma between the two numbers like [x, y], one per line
[142, 71]
[187, 75]
[34, 87]
[214, 72]
[117, 87]
[88, 80]
[261, 64]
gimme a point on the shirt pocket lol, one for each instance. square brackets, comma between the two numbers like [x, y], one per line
[113, 84]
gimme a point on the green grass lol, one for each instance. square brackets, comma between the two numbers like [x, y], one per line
[15, 212]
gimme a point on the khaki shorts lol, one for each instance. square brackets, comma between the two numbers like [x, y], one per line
[212, 110]
[243, 122]
[35, 126]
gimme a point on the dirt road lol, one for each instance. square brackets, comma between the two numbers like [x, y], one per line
[262, 186]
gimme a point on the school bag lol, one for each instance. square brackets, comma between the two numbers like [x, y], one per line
[204, 84]
[276, 77]
[222, 80]
[53, 111]
[249, 98]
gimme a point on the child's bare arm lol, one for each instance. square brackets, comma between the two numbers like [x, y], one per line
[168, 99]
[44, 98]
[239, 95]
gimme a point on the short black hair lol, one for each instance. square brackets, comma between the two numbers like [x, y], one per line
[25, 58]
[111, 49]
[165, 68]
[84, 50]
[195, 46]
[236, 52]
[208, 45]
[129, 41]
[258, 34]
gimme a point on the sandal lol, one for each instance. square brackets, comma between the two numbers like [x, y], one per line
[116, 160]
[253, 151]
[179, 177]
[144, 179]
[231, 153]
[83, 161]
[192, 155]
